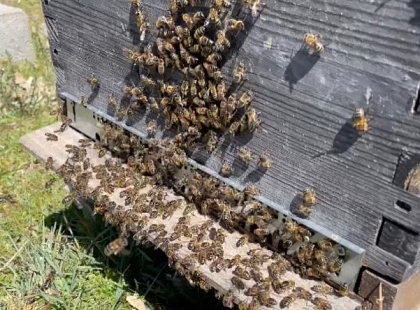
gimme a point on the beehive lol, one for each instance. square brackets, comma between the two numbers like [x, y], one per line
[371, 59]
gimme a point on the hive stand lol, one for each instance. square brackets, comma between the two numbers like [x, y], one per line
[371, 59]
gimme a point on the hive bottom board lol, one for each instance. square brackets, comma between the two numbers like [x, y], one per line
[36, 144]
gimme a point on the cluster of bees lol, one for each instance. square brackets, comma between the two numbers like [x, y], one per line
[160, 163]
[193, 44]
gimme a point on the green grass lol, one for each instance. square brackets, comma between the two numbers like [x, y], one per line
[52, 257]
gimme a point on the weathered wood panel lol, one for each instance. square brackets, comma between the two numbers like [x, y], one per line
[36, 144]
[372, 56]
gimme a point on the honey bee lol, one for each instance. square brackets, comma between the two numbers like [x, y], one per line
[360, 120]
[234, 127]
[148, 82]
[246, 99]
[161, 65]
[265, 161]
[211, 141]
[49, 163]
[302, 293]
[256, 275]
[324, 289]
[252, 190]
[221, 41]
[239, 73]
[83, 101]
[254, 5]
[245, 154]
[199, 32]
[50, 183]
[325, 244]
[343, 289]
[253, 121]
[228, 299]
[238, 283]
[57, 111]
[51, 137]
[234, 24]
[205, 41]
[242, 273]
[321, 303]
[115, 247]
[151, 127]
[288, 300]
[214, 58]
[309, 197]
[68, 199]
[265, 299]
[173, 7]
[112, 101]
[64, 125]
[226, 169]
[93, 82]
[313, 42]
[303, 210]
[213, 17]
[242, 241]
[221, 91]
[221, 4]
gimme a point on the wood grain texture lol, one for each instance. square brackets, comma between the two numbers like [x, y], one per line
[369, 290]
[36, 144]
[372, 52]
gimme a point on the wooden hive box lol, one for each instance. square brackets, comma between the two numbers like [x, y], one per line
[371, 59]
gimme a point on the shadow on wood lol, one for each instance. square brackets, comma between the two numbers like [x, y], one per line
[344, 139]
[300, 65]
[415, 5]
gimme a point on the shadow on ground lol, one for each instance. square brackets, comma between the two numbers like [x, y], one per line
[144, 269]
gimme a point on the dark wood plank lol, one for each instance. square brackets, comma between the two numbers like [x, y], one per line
[369, 290]
[305, 111]
[36, 143]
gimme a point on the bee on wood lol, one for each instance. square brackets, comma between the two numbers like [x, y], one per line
[343, 289]
[265, 299]
[321, 303]
[304, 210]
[51, 137]
[228, 299]
[221, 41]
[221, 91]
[115, 247]
[226, 169]
[239, 73]
[212, 139]
[252, 190]
[242, 273]
[93, 82]
[245, 154]
[254, 5]
[323, 289]
[234, 24]
[265, 161]
[151, 127]
[309, 197]
[83, 101]
[234, 128]
[112, 101]
[242, 241]
[199, 32]
[213, 17]
[252, 120]
[246, 99]
[221, 5]
[288, 300]
[313, 42]
[238, 283]
[360, 120]
[64, 125]
[205, 41]
[214, 58]
[161, 65]
[49, 163]
[148, 82]
[302, 293]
